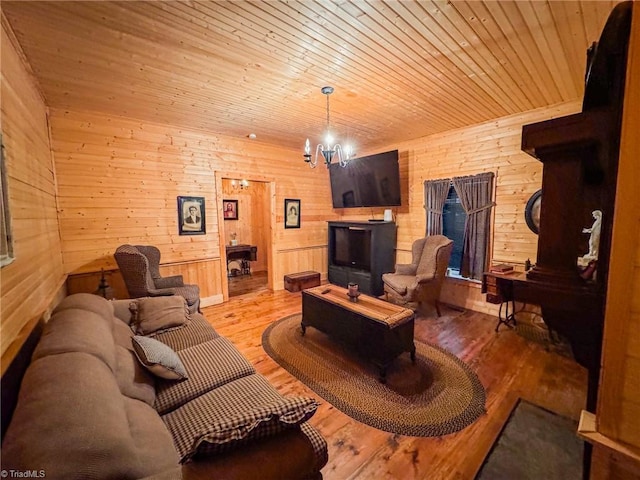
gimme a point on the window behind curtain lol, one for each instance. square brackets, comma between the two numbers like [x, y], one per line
[465, 211]
[453, 219]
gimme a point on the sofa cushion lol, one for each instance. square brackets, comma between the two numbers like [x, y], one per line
[122, 334]
[152, 315]
[75, 330]
[173, 474]
[210, 365]
[196, 332]
[289, 455]
[158, 358]
[318, 443]
[234, 414]
[87, 301]
[153, 442]
[134, 380]
[71, 422]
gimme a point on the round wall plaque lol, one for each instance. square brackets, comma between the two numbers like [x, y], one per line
[532, 212]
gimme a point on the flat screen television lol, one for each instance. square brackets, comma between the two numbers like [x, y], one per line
[371, 181]
[351, 247]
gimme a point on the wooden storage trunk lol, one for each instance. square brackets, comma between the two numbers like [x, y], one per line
[294, 282]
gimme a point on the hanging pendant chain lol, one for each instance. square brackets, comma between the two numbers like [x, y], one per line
[328, 113]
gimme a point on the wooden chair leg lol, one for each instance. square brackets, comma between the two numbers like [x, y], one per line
[438, 308]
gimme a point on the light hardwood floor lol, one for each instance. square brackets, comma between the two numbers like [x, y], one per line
[243, 284]
[508, 366]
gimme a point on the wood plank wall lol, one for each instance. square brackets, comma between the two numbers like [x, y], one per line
[107, 163]
[32, 284]
[488, 147]
[118, 180]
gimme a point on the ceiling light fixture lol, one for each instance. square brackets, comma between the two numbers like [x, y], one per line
[328, 149]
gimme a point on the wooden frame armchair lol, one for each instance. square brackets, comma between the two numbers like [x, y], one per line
[421, 280]
[140, 269]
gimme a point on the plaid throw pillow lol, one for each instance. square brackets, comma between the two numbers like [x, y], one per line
[158, 358]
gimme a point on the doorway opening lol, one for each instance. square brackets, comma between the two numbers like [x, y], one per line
[245, 234]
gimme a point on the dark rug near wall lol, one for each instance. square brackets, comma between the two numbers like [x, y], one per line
[535, 444]
[437, 395]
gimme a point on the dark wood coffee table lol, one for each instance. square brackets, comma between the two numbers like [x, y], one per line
[377, 330]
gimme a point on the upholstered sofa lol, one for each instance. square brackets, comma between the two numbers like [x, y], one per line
[105, 397]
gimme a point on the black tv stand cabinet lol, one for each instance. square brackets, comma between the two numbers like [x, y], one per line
[380, 259]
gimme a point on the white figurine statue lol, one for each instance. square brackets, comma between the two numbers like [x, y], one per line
[594, 238]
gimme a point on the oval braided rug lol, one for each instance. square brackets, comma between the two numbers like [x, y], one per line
[437, 395]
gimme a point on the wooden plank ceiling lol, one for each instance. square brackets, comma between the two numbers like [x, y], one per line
[400, 69]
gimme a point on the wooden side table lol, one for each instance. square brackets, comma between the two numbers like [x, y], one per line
[499, 290]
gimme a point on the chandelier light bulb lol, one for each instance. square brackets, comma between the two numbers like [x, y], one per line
[348, 151]
[329, 139]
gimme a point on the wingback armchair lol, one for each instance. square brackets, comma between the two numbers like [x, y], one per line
[421, 280]
[140, 269]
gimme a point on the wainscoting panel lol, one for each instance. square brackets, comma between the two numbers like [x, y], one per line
[296, 260]
[204, 273]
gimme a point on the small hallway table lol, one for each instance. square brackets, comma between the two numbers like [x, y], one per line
[243, 254]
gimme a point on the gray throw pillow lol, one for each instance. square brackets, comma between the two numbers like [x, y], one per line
[158, 358]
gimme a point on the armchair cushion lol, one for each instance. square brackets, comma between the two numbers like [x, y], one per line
[169, 282]
[152, 315]
[405, 269]
[401, 284]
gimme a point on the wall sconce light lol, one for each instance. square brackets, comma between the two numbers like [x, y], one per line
[240, 184]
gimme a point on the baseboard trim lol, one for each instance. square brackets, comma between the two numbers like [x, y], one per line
[213, 300]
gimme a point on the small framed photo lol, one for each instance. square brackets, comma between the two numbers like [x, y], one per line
[191, 219]
[291, 213]
[230, 209]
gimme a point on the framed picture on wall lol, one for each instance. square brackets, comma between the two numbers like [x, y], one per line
[230, 209]
[191, 216]
[291, 213]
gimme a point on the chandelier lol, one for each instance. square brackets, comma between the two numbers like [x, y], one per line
[239, 184]
[329, 150]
